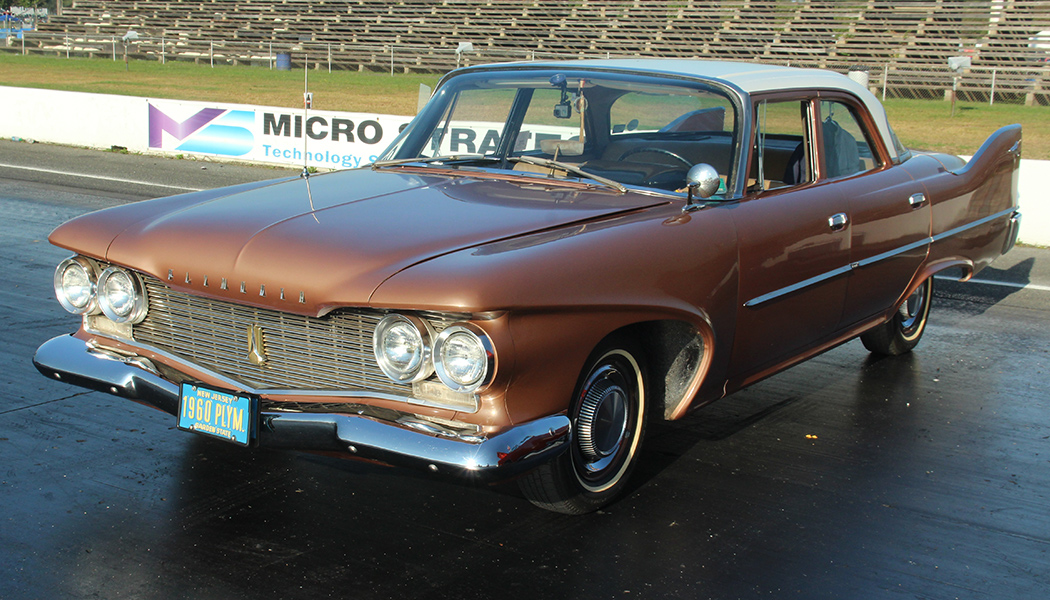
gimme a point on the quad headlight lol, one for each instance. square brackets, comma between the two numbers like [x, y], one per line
[120, 296]
[408, 351]
[463, 357]
[402, 346]
[115, 292]
[75, 284]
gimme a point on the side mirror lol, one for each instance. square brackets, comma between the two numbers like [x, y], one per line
[702, 180]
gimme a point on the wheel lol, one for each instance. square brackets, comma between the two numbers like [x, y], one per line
[902, 332]
[655, 150]
[608, 415]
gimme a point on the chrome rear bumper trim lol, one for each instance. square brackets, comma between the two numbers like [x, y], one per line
[1012, 232]
[511, 452]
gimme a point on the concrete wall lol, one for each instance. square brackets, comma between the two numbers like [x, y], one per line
[233, 131]
[275, 135]
[1034, 198]
[92, 120]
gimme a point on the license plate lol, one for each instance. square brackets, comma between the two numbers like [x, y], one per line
[217, 414]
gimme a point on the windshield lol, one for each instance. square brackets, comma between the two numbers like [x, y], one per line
[616, 128]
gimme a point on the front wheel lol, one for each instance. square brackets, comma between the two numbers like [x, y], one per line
[608, 422]
[902, 332]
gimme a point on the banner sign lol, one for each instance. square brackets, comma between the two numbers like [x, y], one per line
[323, 139]
[483, 137]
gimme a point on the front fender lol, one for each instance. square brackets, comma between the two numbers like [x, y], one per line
[566, 289]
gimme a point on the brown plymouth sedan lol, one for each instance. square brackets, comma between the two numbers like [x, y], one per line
[549, 256]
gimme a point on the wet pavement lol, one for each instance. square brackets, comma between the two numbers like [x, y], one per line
[921, 476]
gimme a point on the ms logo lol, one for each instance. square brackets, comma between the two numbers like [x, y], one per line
[209, 131]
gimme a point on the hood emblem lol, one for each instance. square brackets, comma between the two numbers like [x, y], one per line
[256, 348]
[224, 285]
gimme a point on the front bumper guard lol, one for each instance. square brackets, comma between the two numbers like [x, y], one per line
[504, 455]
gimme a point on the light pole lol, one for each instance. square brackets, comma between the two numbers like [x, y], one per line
[130, 36]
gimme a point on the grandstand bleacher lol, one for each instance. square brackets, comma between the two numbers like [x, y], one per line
[900, 36]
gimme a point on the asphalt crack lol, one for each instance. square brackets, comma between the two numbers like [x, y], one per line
[45, 403]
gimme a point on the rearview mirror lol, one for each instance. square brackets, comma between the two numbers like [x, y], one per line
[562, 110]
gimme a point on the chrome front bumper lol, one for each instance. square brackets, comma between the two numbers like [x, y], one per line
[66, 358]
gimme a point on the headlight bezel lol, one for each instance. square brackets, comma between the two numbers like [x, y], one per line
[424, 334]
[486, 361]
[139, 305]
[91, 274]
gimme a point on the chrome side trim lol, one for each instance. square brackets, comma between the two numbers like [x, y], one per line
[890, 254]
[877, 258]
[441, 450]
[798, 286]
[977, 223]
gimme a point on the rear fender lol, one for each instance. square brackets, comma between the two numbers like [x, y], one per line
[1001, 149]
[974, 206]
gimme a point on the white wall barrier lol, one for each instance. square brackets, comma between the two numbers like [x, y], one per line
[267, 134]
[277, 135]
[1034, 198]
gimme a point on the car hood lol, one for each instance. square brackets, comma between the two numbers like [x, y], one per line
[308, 246]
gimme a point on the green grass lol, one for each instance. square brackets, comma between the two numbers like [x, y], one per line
[340, 90]
[928, 125]
[921, 124]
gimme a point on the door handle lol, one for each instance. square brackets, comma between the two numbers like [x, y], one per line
[837, 222]
[917, 200]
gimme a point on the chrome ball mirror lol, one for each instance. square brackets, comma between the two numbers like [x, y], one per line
[702, 180]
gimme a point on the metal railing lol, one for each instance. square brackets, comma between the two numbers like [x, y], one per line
[1011, 85]
[1028, 83]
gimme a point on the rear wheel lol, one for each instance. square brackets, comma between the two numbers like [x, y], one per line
[608, 423]
[902, 332]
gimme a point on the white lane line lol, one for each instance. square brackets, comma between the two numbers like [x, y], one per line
[103, 178]
[1009, 284]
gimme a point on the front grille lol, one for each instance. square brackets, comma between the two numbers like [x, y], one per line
[333, 352]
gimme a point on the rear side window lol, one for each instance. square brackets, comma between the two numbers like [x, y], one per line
[846, 147]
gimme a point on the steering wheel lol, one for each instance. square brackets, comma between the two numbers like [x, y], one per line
[655, 150]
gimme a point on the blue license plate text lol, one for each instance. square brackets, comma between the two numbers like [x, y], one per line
[217, 414]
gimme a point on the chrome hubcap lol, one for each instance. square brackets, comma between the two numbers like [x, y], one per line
[607, 421]
[602, 422]
[911, 310]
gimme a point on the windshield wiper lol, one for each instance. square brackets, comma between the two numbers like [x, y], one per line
[570, 168]
[532, 160]
[441, 160]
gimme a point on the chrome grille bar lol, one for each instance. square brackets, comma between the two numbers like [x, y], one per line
[333, 352]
